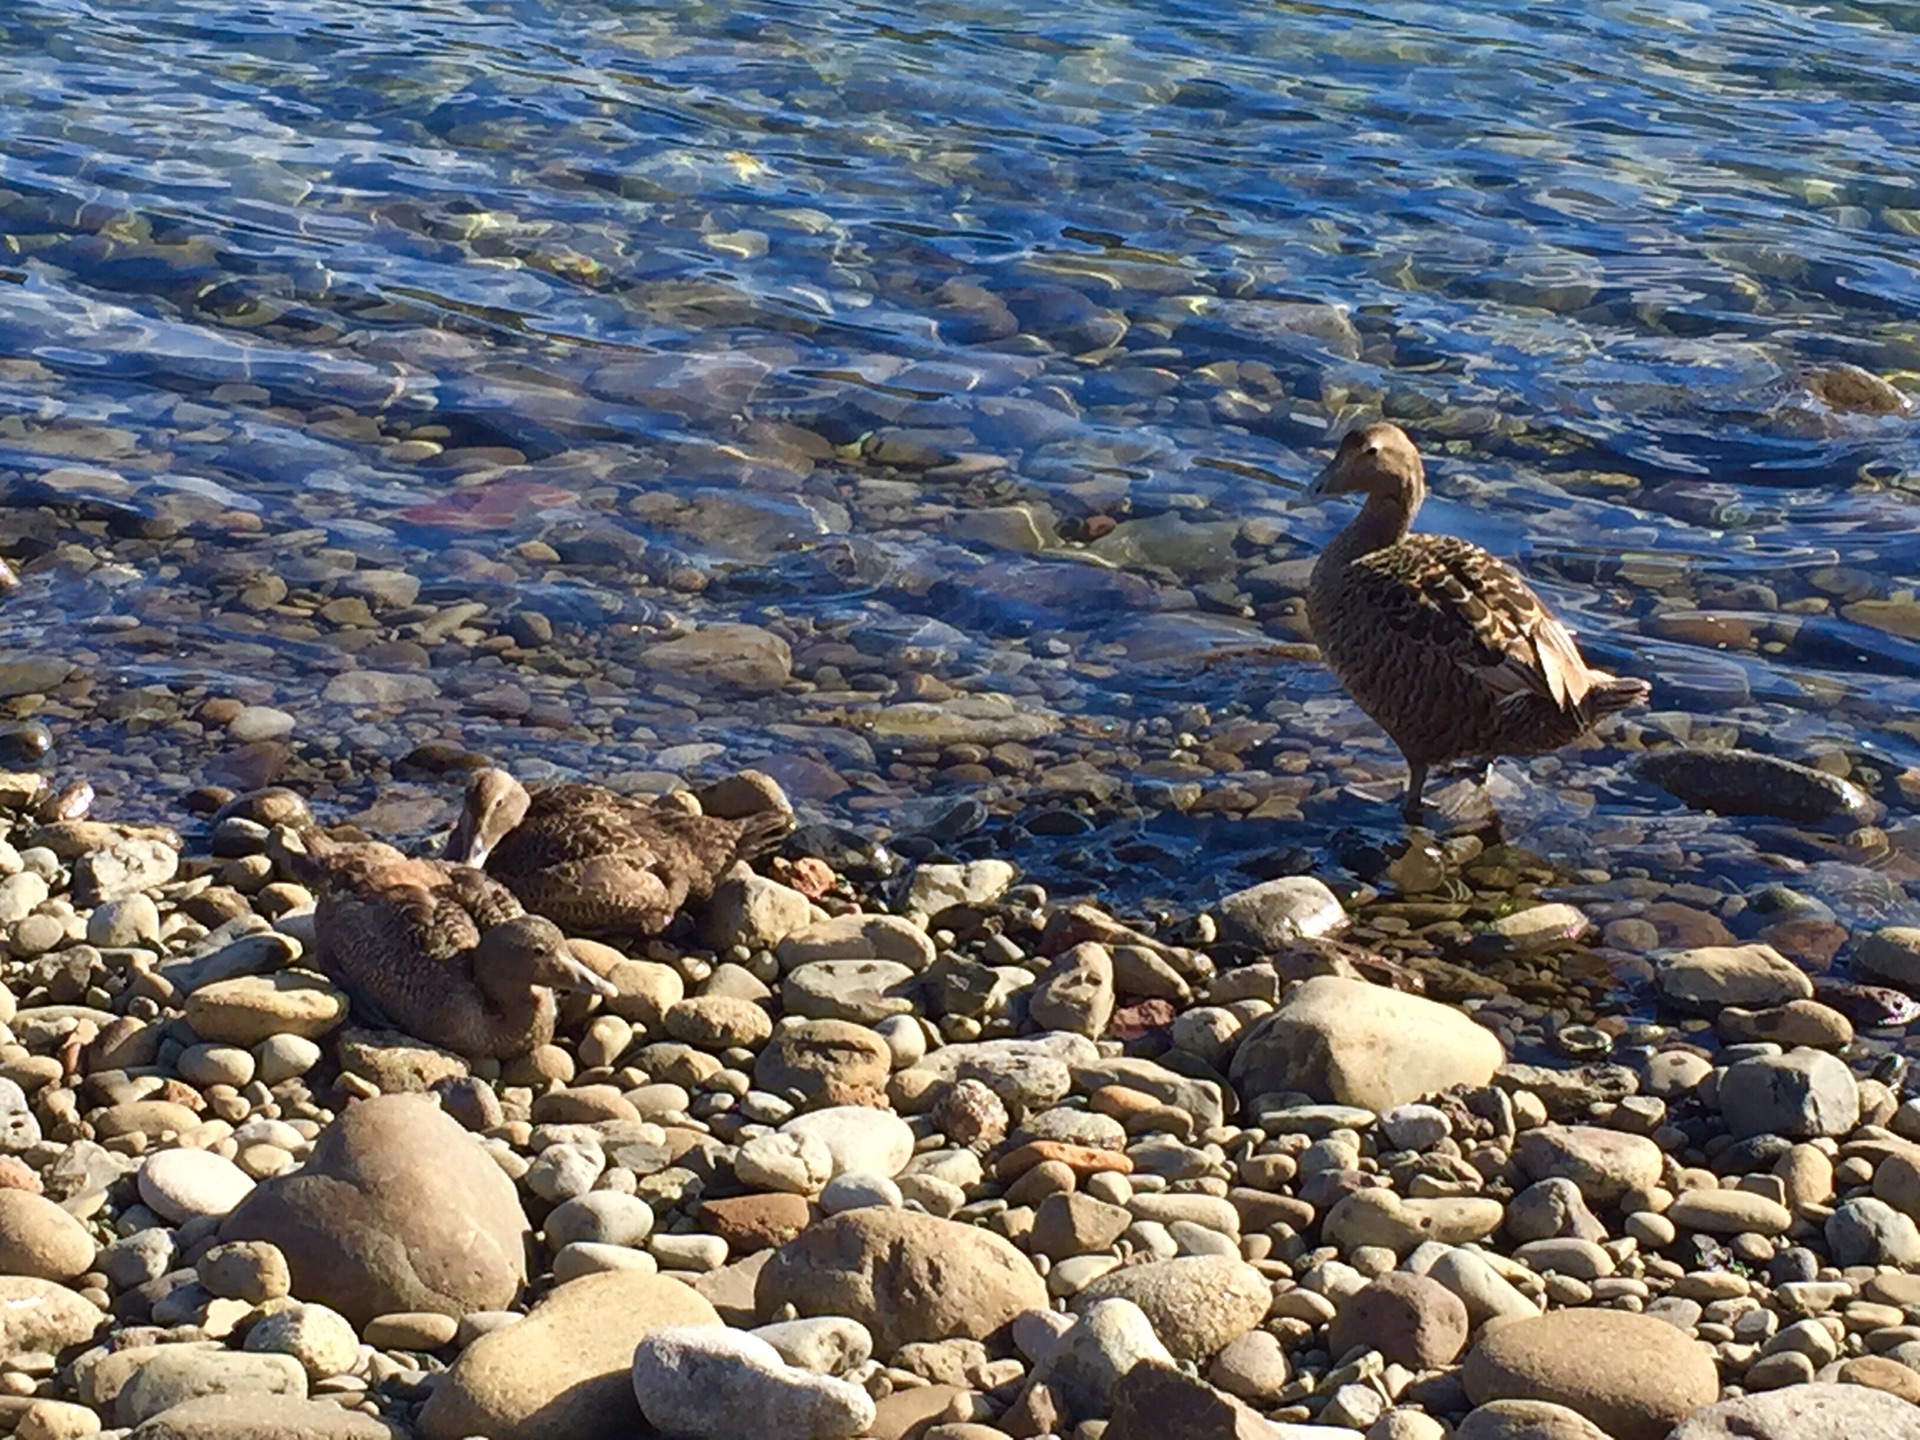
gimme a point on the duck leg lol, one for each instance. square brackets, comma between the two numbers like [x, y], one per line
[1416, 786]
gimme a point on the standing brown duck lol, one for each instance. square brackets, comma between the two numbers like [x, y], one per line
[1445, 647]
[599, 862]
[439, 951]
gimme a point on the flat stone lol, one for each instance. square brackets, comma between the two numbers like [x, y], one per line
[862, 991]
[1816, 1411]
[752, 1223]
[1729, 1212]
[251, 1008]
[1379, 1217]
[174, 1373]
[180, 1184]
[934, 888]
[1633, 1376]
[1708, 978]
[565, 1370]
[742, 657]
[712, 1383]
[1745, 782]
[261, 1417]
[858, 937]
[1354, 1043]
[410, 1330]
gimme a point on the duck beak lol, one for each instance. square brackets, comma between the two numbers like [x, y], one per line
[580, 977]
[1320, 488]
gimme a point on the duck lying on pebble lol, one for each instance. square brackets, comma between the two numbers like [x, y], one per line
[599, 862]
[439, 951]
[1444, 646]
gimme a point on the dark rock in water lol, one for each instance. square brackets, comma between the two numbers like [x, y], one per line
[1745, 782]
[1867, 1006]
[25, 742]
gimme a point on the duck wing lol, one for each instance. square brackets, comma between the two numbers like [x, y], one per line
[395, 933]
[568, 825]
[1449, 593]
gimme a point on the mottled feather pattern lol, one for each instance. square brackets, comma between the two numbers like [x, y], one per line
[1445, 646]
[398, 936]
[603, 863]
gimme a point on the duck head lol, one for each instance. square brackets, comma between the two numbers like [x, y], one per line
[496, 802]
[1377, 461]
[530, 953]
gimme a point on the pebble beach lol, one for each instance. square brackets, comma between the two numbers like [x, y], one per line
[956, 1160]
[892, 417]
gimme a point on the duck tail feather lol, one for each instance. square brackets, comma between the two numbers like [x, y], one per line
[1611, 693]
[762, 832]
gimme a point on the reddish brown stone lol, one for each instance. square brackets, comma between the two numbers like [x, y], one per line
[1140, 1018]
[1156, 1402]
[751, 1223]
[812, 877]
[1809, 943]
[1683, 927]
[1119, 1102]
[178, 1092]
[1081, 1159]
[909, 1413]
[16, 1174]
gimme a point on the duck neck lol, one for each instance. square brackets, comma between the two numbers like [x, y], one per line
[1384, 520]
[519, 1022]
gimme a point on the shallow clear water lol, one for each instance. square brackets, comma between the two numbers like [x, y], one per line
[957, 345]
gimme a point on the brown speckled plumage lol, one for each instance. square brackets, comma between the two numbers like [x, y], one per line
[439, 951]
[1444, 646]
[596, 861]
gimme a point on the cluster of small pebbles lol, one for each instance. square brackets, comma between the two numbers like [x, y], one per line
[969, 1164]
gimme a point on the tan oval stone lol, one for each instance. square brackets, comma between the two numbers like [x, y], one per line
[39, 1239]
[250, 1008]
[1729, 1212]
[565, 1370]
[905, 1276]
[1353, 1043]
[1634, 1376]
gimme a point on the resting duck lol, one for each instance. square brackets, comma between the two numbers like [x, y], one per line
[1445, 647]
[438, 951]
[596, 861]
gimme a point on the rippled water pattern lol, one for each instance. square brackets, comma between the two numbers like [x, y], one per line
[789, 312]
